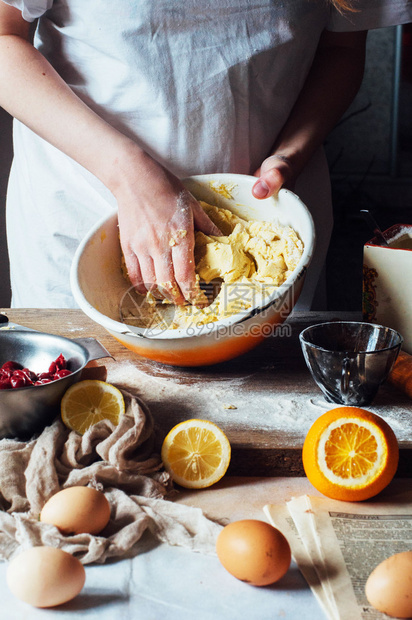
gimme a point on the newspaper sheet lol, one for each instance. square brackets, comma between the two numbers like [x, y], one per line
[336, 545]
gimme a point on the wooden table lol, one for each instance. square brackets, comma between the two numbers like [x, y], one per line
[265, 400]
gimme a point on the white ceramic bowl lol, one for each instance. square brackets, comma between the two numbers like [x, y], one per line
[99, 287]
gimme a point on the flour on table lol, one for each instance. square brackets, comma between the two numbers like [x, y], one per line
[206, 399]
[277, 405]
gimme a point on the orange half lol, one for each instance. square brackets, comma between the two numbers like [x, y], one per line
[350, 454]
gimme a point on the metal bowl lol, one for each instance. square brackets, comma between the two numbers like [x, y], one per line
[26, 411]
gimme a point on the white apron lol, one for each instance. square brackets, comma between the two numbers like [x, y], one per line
[203, 86]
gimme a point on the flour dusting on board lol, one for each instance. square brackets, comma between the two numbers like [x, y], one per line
[281, 407]
[255, 409]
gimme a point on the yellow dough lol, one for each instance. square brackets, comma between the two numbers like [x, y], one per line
[245, 266]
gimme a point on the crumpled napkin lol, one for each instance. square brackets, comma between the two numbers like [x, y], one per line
[118, 460]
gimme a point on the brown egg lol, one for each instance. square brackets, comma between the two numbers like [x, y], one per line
[389, 586]
[77, 510]
[45, 576]
[253, 551]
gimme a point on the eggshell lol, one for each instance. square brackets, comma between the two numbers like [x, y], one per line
[77, 510]
[389, 586]
[253, 551]
[45, 576]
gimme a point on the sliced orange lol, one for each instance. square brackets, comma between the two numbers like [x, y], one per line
[350, 454]
[196, 453]
[87, 402]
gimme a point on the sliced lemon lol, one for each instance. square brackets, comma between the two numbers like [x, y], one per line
[196, 453]
[87, 402]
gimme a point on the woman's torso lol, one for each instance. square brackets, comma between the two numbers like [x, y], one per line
[203, 86]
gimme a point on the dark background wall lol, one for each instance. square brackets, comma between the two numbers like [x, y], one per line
[5, 161]
[370, 158]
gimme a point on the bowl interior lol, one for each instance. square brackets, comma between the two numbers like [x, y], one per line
[35, 350]
[97, 281]
[351, 336]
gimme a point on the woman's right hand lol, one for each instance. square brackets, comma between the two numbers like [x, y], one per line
[157, 217]
[156, 214]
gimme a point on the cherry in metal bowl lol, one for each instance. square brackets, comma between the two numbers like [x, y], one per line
[28, 409]
[13, 375]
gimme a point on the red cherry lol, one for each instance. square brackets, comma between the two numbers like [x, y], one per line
[64, 372]
[45, 375]
[30, 375]
[17, 382]
[43, 381]
[11, 366]
[60, 362]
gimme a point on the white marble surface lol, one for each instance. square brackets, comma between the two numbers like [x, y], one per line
[172, 583]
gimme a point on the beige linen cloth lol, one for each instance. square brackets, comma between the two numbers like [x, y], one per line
[116, 460]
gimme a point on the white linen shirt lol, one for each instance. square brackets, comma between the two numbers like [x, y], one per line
[203, 86]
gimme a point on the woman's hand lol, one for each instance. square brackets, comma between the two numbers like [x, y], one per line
[330, 87]
[275, 172]
[157, 216]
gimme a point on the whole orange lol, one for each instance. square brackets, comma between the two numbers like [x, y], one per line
[350, 454]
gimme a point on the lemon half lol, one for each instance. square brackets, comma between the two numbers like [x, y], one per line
[196, 453]
[87, 402]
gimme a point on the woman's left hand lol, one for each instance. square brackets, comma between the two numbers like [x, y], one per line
[275, 172]
[330, 87]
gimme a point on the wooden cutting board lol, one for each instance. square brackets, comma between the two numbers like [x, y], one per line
[265, 400]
